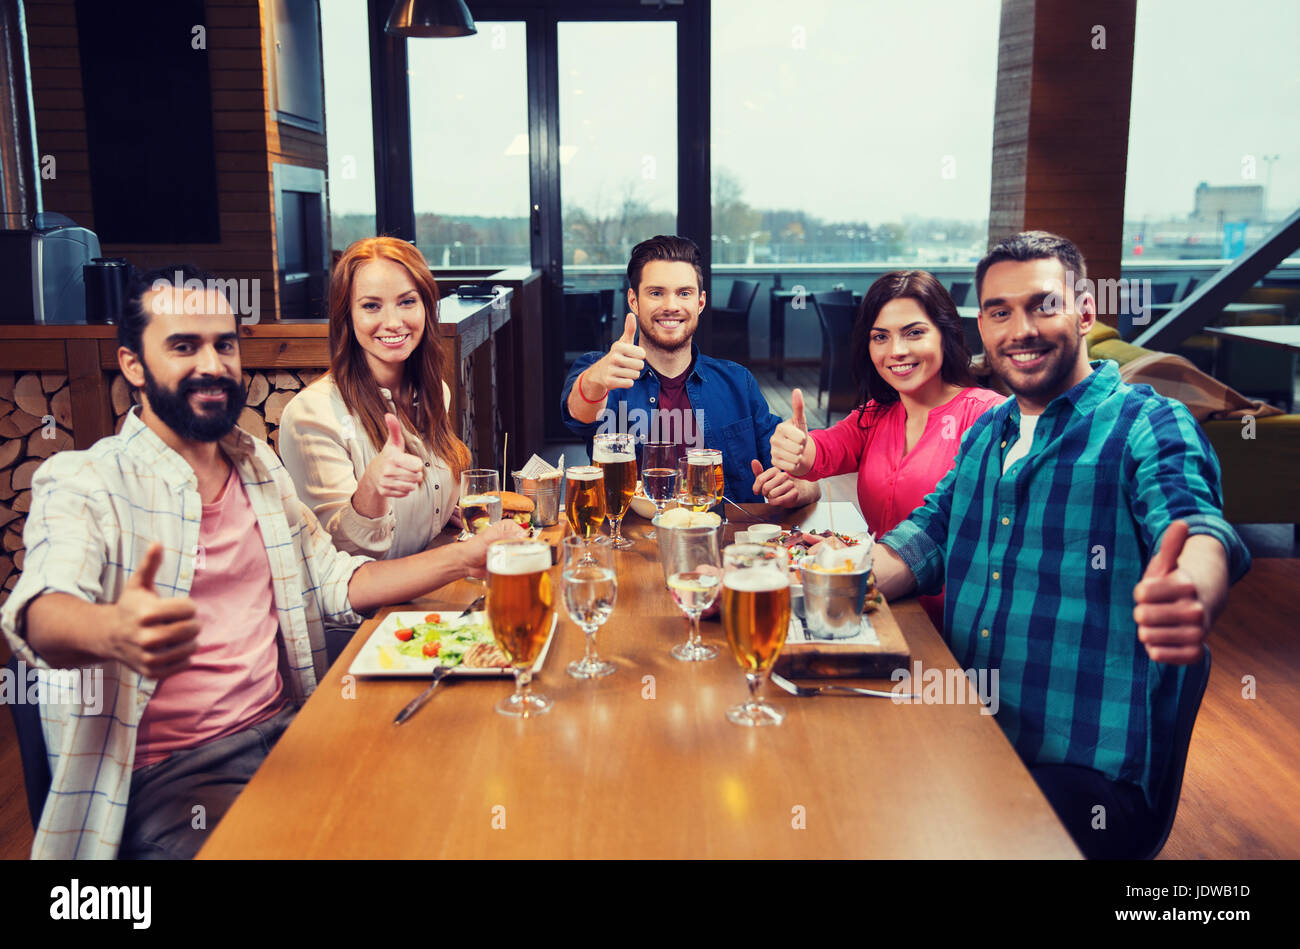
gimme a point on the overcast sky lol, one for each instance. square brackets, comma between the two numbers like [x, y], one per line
[848, 109]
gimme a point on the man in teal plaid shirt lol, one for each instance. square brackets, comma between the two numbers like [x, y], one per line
[1082, 548]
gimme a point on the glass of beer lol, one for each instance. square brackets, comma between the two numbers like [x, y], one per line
[520, 610]
[615, 455]
[658, 475]
[590, 587]
[693, 572]
[704, 482]
[480, 500]
[756, 616]
[584, 492]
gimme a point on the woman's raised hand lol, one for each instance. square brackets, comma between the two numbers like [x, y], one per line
[793, 451]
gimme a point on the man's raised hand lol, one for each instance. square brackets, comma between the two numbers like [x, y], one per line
[774, 486]
[1172, 621]
[793, 451]
[617, 369]
[153, 635]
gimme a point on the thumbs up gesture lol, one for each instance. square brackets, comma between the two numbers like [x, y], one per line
[792, 450]
[620, 367]
[393, 473]
[153, 635]
[774, 486]
[1171, 619]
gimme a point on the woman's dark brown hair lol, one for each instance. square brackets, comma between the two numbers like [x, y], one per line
[419, 398]
[921, 286]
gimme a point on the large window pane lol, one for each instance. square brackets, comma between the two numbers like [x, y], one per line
[1214, 135]
[469, 146]
[345, 40]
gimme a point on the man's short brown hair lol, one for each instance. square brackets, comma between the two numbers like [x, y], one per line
[664, 247]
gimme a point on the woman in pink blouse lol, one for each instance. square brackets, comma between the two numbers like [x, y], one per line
[916, 398]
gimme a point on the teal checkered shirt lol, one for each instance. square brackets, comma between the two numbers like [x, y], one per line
[1040, 563]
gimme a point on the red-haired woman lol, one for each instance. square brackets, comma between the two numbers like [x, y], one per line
[369, 445]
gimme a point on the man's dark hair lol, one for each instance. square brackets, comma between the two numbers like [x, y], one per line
[1031, 245]
[134, 319]
[664, 247]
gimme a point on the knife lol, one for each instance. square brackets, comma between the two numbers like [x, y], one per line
[439, 674]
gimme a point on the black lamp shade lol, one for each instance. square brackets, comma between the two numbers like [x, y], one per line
[431, 18]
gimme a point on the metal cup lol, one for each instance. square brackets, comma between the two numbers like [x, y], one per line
[545, 493]
[833, 602]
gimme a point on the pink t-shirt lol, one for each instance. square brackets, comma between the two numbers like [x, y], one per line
[891, 485]
[233, 680]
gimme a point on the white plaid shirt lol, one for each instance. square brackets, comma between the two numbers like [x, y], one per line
[94, 514]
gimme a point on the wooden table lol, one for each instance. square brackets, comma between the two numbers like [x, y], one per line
[642, 764]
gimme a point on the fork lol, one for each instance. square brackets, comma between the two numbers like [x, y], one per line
[750, 517]
[804, 691]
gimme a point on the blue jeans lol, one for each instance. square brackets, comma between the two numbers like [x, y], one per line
[1075, 791]
[175, 802]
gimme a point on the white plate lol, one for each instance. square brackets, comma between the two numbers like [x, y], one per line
[367, 661]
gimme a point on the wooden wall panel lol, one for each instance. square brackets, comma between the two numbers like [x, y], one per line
[1060, 138]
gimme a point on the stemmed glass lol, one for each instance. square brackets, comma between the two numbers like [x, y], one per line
[520, 610]
[756, 617]
[658, 475]
[480, 500]
[590, 587]
[693, 571]
[615, 455]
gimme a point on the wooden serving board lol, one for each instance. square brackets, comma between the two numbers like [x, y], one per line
[554, 535]
[829, 658]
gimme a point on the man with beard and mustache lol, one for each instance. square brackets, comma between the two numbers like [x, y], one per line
[1083, 545]
[177, 556]
[666, 390]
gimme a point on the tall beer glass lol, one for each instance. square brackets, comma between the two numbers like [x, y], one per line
[703, 478]
[520, 608]
[756, 616]
[615, 455]
[584, 492]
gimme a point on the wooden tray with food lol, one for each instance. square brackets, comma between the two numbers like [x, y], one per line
[887, 650]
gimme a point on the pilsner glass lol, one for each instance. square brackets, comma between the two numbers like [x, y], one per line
[520, 612]
[693, 571]
[584, 492]
[702, 472]
[658, 475]
[480, 500]
[615, 455]
[590, 587]
[756, 616]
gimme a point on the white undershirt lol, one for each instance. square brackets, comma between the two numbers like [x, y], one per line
[1023, 444]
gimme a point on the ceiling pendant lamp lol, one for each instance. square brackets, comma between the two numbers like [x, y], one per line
[431, 18]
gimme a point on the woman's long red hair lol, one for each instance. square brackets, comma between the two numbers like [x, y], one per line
[426, 367]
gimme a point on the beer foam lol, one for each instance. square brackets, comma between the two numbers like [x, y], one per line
[756, 580]
[517, 559]
[584, 473]
[701, 460]
[609, 456]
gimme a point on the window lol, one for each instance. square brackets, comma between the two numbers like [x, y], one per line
[1213, 136]
[345, 39]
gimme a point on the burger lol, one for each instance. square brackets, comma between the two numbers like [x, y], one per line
[517, 507]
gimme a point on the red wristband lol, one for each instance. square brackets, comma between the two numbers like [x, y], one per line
[583, 396]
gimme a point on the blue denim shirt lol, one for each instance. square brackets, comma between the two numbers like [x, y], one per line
[733, 415]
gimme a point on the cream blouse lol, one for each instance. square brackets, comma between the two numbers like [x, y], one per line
[326, 450]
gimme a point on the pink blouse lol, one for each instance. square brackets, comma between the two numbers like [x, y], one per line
[891, 485]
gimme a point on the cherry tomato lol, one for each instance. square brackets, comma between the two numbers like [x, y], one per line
[432, 618]
[431, 649]
[404, 634]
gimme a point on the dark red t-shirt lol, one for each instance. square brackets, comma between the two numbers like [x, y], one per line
[676, 423]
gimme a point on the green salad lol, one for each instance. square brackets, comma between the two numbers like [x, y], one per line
[441, 641]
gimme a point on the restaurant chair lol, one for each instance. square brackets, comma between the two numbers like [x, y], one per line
[31, 747]
[1171, 783]
[731, 322]
[829, 296]
[837, 319]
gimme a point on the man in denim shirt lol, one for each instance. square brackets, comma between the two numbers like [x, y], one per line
[666, 390]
